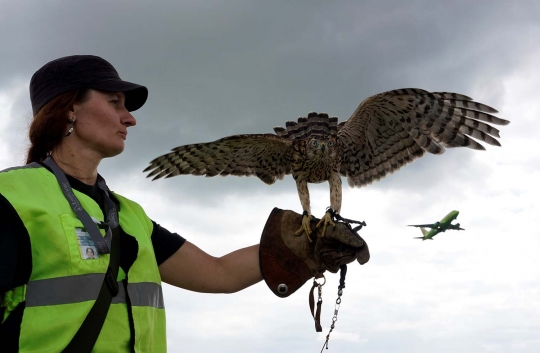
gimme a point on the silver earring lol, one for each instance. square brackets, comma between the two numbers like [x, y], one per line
[70, 127]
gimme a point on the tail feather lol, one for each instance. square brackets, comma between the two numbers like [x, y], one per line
[314, 123]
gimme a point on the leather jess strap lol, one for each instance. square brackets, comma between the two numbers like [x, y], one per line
[316, 314]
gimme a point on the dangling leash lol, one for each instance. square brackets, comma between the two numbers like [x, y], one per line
[343, 271]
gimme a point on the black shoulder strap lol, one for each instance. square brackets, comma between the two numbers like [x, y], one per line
[87, 335]
[85, 339]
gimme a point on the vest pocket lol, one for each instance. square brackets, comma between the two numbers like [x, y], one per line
[78, 242]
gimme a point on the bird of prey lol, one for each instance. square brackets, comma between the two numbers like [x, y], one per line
[437, 227]
[387, 131]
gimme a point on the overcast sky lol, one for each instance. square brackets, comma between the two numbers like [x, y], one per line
[219, 68]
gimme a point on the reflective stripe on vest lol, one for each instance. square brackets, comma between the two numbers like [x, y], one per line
[76, 289]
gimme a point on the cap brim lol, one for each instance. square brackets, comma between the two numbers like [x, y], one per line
[136, 95]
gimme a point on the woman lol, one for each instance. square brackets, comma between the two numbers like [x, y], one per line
[57, 205]
[82, 112]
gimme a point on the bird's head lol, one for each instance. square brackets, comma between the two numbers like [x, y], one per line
[321, 147]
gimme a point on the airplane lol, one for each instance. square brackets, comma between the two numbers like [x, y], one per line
[437, 227]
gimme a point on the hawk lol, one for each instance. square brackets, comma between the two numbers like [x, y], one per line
[387, 131]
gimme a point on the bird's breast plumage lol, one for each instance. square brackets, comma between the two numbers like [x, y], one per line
[312, 164]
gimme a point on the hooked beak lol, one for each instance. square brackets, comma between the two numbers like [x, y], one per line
[323, 147]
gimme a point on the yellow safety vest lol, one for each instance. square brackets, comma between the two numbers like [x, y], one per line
[64, 284]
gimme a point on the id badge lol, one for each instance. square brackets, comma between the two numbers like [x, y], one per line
[86, 245]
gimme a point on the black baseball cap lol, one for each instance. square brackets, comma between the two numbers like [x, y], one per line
[81, 71]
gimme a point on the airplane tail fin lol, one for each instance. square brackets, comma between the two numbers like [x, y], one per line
[424, 232]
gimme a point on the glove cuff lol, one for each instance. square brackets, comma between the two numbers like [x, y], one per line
[283, 271]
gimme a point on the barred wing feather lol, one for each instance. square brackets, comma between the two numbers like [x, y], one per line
[391, 129]
[263, 155]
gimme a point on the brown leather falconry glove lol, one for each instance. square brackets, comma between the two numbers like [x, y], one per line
[287, 260]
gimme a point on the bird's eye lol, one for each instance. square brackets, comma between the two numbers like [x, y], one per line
[314, 143]
[330, 144]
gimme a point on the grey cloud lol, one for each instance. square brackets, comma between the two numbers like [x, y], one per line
[219, 68]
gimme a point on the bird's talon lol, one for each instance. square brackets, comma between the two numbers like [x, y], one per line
[327, 219]
[305, 228]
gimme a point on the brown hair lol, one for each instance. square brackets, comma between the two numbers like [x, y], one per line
[49, 124]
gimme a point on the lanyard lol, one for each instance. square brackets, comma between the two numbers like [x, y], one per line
[103, 244]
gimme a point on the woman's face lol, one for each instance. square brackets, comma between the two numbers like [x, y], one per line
[101, 122]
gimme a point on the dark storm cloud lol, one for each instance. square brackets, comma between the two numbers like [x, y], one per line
[221, 68]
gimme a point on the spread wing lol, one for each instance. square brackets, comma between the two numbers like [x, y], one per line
[263, 155]
[391, 129]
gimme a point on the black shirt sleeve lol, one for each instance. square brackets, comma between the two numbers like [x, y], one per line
[8, 250]
[165, 243]
[15, 251]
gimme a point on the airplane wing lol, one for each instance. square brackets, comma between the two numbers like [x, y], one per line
[423, 225]
[455, 227]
